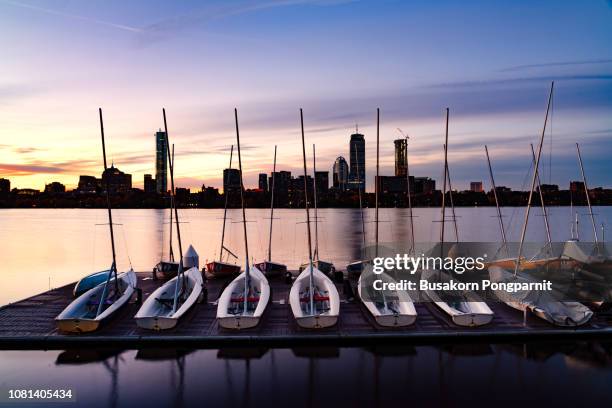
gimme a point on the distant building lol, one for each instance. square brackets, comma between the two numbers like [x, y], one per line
[502, 189]
[357, 162]
[231, 180]
[161, 162]
[182, 195]
[88, 184]
[340, 173]
[476, 187]
[298, 185]
[26, 191]
[392, 184]
[55, 188]
[263, 182]
[424, 185]
[116, 180]
[576, 186]
[550, 188]
[5, 186]
[282, 182]
[322, 181]
[150, 184]
[401, 165]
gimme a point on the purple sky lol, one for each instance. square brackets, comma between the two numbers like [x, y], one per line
[490, 62]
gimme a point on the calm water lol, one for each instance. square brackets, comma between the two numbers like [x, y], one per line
[467, 375]
[45, 248]
[42, 248]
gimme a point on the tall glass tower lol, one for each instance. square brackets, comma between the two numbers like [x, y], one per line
[161, 162]
[357, 157]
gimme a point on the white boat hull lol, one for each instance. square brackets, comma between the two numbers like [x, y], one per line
[464, 313]
[401, 311]
[80, 315]
[229, 308]
[156, 311]
[328, 304]
[541, 304]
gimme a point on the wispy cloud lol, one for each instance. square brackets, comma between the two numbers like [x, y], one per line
[72, 16]
[558, 64]
[176, 24]
[28, 169]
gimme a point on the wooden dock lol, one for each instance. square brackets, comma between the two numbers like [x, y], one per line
[30, 324]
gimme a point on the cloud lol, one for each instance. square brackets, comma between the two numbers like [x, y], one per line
[532, 79]
[26, 150]
[558, 64]
[72, 16]
[28, 169]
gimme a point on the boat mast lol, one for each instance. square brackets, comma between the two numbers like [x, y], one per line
[247, 277]
[586, 191]
[113, 271]
[384, 298]
[226, 193]
[409, 198]
[450, 196]
[181, 272]
[533, 182]
[499, 214]
[376, 187]
[544, 212]
[363, 236]
[171, 251]
[316, 214]
[272, 208]
[311, 283]
[444, 189]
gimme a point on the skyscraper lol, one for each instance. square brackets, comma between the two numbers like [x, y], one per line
[401, 167]
[341, 173]
[357, 155]
[161, 162]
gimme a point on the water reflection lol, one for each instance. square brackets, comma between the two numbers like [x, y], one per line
[109, 359]
[445, 374]
[62, 245]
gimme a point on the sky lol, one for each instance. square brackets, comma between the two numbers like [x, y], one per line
[490, 62]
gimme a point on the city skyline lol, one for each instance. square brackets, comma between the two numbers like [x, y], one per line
[339, 60]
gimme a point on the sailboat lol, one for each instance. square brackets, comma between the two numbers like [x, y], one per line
[391, 308]
[245, 299]
[168, 303]
[268, 267]
[464, 308]
[539, 303]
[313, 297]
[100, 303]
[220, 268]
[324, 266]
[168, 269]
[594, 257]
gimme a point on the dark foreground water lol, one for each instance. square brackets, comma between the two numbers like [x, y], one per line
[535, 374]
